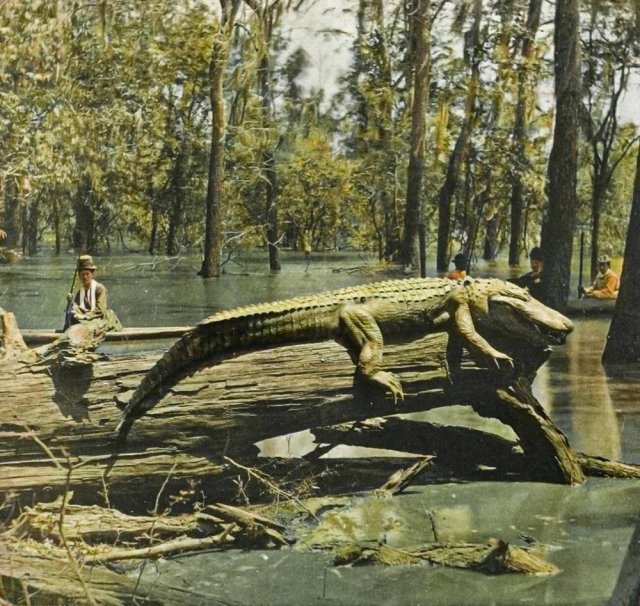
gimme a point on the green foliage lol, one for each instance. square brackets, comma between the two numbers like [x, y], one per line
[105, 107]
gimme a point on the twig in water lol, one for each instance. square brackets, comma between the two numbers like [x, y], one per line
[276, 489]
[432, 518]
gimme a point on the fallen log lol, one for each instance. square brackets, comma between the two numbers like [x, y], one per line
[465, 453]
[28, 569]
[44, 337]
[58, 423]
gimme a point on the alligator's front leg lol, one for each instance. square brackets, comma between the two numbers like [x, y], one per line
[464, 325]
[364, 341]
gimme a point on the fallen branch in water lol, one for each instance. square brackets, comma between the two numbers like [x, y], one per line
[494, 557]
[264, 479]
[162, 549]
[151, 265]
[403, 477]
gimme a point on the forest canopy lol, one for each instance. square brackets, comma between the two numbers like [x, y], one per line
[177, 125]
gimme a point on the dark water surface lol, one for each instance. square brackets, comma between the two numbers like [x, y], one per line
[587, 530]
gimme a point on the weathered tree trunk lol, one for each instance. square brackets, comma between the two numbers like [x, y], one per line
[271, 210]
[11, 213]
[30, 238]
[519, 131]
[605, 82]
[491, 238]
[178, 195]
[268, 19]
[597, 202]
[56, 225]
[558, 228]
[84, 238]
[461, 149]
[412, 214]
[623, 340]
[215, 206]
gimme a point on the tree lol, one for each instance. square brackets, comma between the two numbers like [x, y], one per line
[623, 340]
[473, 53]
[215, 204]
[268, 17]
[519, 130]
[609, 61]
[375, 95]
[421, 28]
[558, 228]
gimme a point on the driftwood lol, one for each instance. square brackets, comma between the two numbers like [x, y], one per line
[58, 423]
[58, 551]
[403, 478]
[493, 557]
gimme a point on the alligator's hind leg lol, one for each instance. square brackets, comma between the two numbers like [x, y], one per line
[364, 341]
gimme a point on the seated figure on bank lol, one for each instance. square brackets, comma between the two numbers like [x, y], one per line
[606, 284]
[532, 280]
[460, 271]
[91, 300]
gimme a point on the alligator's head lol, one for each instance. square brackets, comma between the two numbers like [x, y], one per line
[509, 311]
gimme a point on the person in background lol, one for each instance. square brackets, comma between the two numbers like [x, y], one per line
[91, 300]
[606, 284]
[532, 279]
[460, 271]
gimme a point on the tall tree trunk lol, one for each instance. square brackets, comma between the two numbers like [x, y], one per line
[623, 340]
[271, 211]
[605, 84]
[519, 131]
[490, 250]
[30, 243]
[56, 225]
[178, 200]
[558, 228]
[215, 205]
[597, 201]
[461, 149]
[152, 196]
[413, 215]
[84, 239]
[269, 157]
[11, 213]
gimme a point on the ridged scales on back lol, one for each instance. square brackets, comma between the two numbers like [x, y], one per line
[359, 317]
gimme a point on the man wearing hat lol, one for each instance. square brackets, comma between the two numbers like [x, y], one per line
[91, 300]
[460, 262]
[606, 284]
[533, 279]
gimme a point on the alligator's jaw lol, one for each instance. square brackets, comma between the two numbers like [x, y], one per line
[528, 320]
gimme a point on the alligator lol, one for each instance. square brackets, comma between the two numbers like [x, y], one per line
[362, 318]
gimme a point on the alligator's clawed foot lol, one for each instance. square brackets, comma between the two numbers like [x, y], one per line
[391, 382]
[500, 356]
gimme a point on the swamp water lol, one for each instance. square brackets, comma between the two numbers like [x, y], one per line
[590, 532]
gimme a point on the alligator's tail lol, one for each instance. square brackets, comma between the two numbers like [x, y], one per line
[253, 327]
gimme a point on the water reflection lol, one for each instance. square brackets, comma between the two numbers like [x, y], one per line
[598, 408]
[574, 389]
[35, 288]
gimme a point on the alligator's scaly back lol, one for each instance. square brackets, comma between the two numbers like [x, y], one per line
[303, 319]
